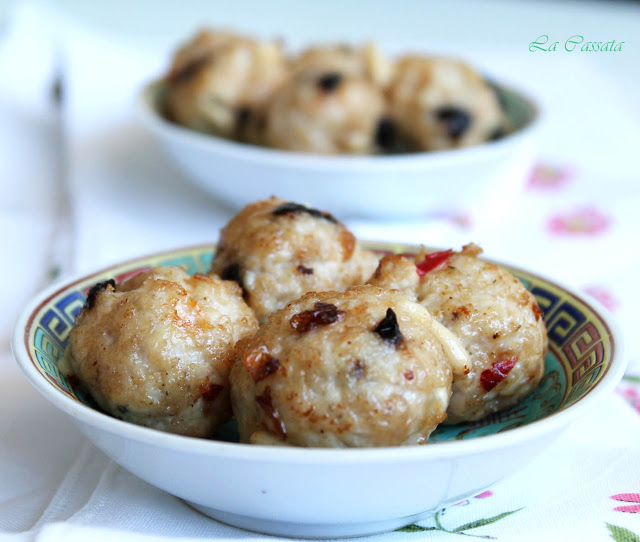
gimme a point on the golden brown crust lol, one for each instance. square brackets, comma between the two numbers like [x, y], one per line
[157, 349]
[396, 272]
[492, 314]
[358, 375]
[278, 256]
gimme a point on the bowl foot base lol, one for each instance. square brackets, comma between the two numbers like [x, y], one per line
[308, 530]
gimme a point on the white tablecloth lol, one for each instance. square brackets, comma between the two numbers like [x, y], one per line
[575, 224]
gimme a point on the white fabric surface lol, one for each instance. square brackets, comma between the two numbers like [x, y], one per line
[127, 199]
[27, 116]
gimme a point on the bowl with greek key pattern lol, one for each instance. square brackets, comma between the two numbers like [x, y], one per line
[324, 493]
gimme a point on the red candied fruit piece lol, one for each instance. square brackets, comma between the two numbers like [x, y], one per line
[432, 261]
[260, 363]
[210, 392]
[498, 371]
[537, 311]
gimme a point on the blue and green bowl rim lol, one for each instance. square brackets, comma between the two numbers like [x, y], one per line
[587, 372]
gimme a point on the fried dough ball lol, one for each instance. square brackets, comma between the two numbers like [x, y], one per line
[204, 44]
[496, 319]
[325, 111]
[362, 368]
[367, 62]
[218, 78]
[157, 349]
[277, 251]
[441, 103]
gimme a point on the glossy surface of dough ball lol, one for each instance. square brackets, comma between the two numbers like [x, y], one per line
[441, 103]
[156, 350]
[218, 77]
[496, 319]
[278, 251]
[361, 368]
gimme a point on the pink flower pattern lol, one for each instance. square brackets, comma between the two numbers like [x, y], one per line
[604, 295]
[549, 177]
[631, 393]
[581, 221]
[630, 498]
[483, 495]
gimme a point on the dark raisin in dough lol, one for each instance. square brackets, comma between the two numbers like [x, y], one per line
[290, 207]
[94, 290]
[389, 330]
[386, 134]
[457, 121]
[329, 81]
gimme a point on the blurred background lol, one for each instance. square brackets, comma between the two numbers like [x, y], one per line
[455, 25]
[508, 25]
[78, 171]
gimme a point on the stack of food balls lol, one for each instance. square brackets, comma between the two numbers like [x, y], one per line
[308, 339]
[336, 99]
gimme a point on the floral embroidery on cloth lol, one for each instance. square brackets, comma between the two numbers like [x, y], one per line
[621, 534]
[629, 389]
[629, 498]
[587, 221]
[461, 529]
[549, 177]
[604, 295]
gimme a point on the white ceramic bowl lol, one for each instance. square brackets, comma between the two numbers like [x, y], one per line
[417, 184]
[331, 492]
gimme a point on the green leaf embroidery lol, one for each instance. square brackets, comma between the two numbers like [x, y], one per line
[458, 530]
[620, 534]
[632, 378]
[483, 522]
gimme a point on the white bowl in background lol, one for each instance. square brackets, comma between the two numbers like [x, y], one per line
[313, 492]
[422, 184]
